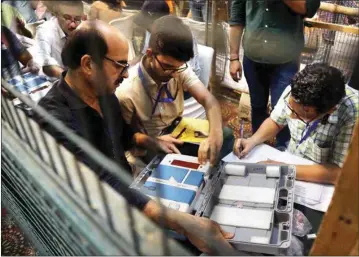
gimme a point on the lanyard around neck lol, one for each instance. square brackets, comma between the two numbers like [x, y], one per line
[163, 88]
[307, 131]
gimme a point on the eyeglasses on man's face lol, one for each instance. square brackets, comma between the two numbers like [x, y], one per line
[295, 114]
[77, 19]
[171, 70]
[125, 65]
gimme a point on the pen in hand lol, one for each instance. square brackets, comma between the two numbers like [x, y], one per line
[241, 135]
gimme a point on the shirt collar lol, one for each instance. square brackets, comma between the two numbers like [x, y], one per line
[75, 102]
[60, 32]
[147, 76]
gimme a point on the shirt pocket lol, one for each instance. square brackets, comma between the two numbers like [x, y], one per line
[317, 153]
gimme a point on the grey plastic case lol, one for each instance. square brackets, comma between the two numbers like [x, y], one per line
[255, 175]
[281, 225]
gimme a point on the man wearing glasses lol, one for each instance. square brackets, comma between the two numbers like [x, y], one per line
[51, 36]
[152, 98]
[320, 111]
[83, 99]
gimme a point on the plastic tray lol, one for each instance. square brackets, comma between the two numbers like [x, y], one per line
[279, 234]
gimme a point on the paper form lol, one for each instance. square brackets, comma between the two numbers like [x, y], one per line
[312, 195]
[264, 152]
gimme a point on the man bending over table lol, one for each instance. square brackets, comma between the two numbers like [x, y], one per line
[83, 99]
[152, 98]
[320, 111]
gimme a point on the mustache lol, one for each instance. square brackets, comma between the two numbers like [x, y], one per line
[119, 80]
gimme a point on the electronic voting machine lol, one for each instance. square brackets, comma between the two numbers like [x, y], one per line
[252, 201]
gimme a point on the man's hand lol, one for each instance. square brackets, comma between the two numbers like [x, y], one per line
[235, 69]
[243, 146]
[31, 66]
[167, 144]
[210, 148]
[206, 235]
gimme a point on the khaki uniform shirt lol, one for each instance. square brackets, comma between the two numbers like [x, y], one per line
[137, 100]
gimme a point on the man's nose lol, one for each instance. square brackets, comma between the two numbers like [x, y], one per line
[73, 25]
[125, 74]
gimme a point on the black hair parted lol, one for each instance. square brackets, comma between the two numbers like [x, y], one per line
[318, 85]
[81, 42]
[171, 37]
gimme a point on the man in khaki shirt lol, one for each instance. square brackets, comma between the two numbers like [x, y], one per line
[152, 98]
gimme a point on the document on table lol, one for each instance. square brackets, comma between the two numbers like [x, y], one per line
[312, 195]
[264, 152]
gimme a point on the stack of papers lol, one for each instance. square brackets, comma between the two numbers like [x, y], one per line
[312, 195]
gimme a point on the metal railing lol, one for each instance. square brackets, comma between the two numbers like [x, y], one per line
[59, 202]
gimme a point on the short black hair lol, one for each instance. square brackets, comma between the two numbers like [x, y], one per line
[318, 85]
[82, 41]
[170, 36]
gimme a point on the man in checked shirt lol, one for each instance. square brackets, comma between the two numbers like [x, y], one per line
[320, 111]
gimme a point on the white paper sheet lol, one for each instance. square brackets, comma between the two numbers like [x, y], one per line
[307, 194]
[264, 152]
[237, 217]
[247, 194]
[312, 195]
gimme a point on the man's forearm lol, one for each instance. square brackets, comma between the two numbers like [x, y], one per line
[235, 37]
[166, 217]
[53, 71]
[319, 173]
[268, 130]
[213, 111]
[25, 57]
[298, 6]
[144, 141]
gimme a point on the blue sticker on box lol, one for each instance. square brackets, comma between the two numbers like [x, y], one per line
[168, 192]
[165, 172]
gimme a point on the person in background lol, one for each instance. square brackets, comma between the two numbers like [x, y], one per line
[273, 40]
[97, 52]
[199, 9]
[152, 10]
[13, 52]
[13, 20]
[51, 35]
[152, 98]
[106, 10]
[320, 111]
[26, 8]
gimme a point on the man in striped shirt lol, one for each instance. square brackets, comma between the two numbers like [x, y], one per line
[320, 111]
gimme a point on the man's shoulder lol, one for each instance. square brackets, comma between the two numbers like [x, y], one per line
[130, 85]
[351, 98]
[349, 105]
[54, 102]
[47, 26]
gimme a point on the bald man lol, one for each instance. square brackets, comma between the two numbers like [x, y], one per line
[84, 100]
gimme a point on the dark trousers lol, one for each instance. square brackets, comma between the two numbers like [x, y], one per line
[263, 79]
[199, 10]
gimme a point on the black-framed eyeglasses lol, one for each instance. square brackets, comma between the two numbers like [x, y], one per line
[77, 19]
[293, 111]
[172, 70]
[125, 65]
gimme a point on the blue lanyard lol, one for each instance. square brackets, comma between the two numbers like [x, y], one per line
[308, 131]
[163, 88]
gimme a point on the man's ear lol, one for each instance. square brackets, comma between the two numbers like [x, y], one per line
[86, 64]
